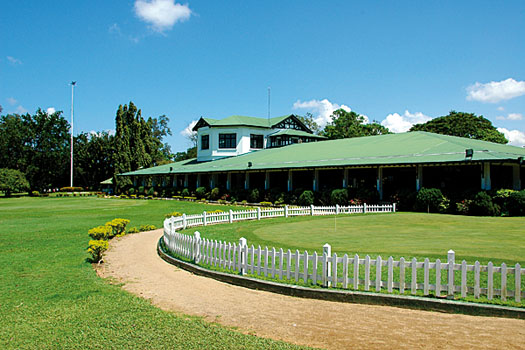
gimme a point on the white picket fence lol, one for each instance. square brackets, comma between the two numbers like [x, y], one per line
[333, 271]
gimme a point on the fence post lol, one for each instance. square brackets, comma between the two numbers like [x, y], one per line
[364, 207]
[311, 209]
[394, 207]
[285, 211]
[327, 268]
[197, 247]
[184, 224]
[231, 216]
[242, 255]
[451, 261]
[337, 209]
[258, 213]
[204, 218]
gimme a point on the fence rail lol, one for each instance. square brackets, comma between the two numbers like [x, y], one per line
[441, 278]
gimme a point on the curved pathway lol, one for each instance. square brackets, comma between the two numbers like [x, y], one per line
[133, 260]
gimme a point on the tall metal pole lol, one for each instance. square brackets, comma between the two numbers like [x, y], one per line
[269, 89]
[73, 83]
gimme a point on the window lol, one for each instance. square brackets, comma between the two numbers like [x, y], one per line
[205, 141]
[227, 140]
[256, 141]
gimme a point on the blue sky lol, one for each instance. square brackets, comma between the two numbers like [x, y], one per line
[397, 62]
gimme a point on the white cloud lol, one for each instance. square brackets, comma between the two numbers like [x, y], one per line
[515, 137]
[21, 110]
[515, 116]
[13, 60]
[114, 29]
[11, 100]
[50, 110]
[500, 108]
[496, 91]
[187, 131]
[402, 123]
[161, 14]
[322, 110]
[510, 116]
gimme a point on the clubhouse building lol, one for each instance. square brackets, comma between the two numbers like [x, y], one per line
[282, 153]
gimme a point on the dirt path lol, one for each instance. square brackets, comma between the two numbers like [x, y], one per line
[133, 260]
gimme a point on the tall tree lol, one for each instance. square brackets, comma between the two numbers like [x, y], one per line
[309, 121]
[15, 141]
[350, 124]
[12, 181]
[93, 158]
[463, 125]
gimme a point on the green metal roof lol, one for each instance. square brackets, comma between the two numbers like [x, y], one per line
[293, 132]
[239, 120]
[107, 181]
[404, 148]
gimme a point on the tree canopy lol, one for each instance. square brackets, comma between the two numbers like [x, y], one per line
[346, 124]
[309, 121]
[463, 125]
[12, 181]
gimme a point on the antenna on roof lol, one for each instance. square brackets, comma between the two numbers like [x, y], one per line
[269, 89]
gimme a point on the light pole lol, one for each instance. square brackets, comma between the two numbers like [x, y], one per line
[73, 83]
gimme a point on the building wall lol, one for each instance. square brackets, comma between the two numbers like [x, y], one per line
[242, 141]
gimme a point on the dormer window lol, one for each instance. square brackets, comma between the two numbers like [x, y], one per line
[227, 140]
[205, 142]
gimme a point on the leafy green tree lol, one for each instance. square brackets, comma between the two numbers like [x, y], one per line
[15, 141]
[351, 124]
[463, 125]
[93, 158]
[309, 121]
[190, 153]
[12, 181]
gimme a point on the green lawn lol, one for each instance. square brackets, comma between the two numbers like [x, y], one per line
[50, 297]
[496, 239]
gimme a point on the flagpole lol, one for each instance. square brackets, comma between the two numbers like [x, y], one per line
[73, 83]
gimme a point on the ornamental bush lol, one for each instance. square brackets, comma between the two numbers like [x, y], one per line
[516, 203]
[118, 227]
[215, 194]
[147, 228]
[339, 197]
[100, 232]
[266, 204]
[71, 189]
[150, 192]
[482, 205]
[185, 193]
[200, 192]
[429, 199]
[253, 196]
[306, 198]
[133, 230]
[96, 248]
[175, 213]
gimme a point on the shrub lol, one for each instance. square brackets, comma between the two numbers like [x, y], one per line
[516, 203]
[306, 198]
[131, 191]
[175, 213]
[100, 232]
[12, 181]
[215, 194]
[463, 207]
[133, 230]
[501, 198]
[185, 193]
[150, 192]
[71, 189]
[482, 205]
[367, 195]
[339, 197]
[96, 249]
[266, 204]
[118, 226]
[253, 196]
[200, 192]
[147, 228]
[141, 196]
[429, 199]
[215, 211]
[36, 194]
[122, 196]
[141, 190]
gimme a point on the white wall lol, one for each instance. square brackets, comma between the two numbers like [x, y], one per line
[243, 141]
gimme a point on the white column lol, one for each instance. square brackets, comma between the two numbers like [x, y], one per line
[516, 177]
[419, 177]
[247, 180]
[345, 178]
[198, 180]
[174, 184]
[485, 177]
[327, 273]
[316, 180]
[228, 181]
[267, 180]
[290, 180]
[380, 182]
[186, 180]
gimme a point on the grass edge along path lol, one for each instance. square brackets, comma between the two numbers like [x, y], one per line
[50, 297]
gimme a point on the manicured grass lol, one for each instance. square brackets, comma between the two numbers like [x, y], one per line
[50, 297]
[496, 239]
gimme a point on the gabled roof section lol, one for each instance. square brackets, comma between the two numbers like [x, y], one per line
[239, 120]
[405, 148]
[293, 132]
